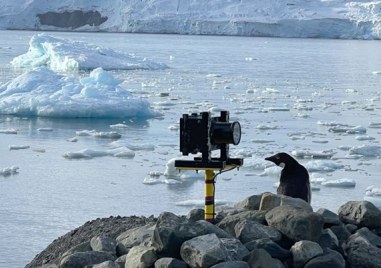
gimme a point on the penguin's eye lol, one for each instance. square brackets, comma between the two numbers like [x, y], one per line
[277, 157]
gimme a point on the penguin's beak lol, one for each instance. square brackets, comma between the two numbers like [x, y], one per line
[268, 159]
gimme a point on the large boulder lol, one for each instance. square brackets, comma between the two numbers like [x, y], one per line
[231, 264]
[330, 218]
[81, 259]
[250, 203]
[328, 240]
[229, 222]
[204, 251]
[270, 246]
[296, 224]
[170, 263]
[247, 230]
[236, 250]
[106, 264]
[270, 201]
[140, 257]
[361, 253]
[303, 251]
[329, 259]
[370, 236]
[103, 243]
[361, 213]
[259, 258]
[136, 236]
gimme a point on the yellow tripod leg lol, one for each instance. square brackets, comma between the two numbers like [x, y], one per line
[209, 195]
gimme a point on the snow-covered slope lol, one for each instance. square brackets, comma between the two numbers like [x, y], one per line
[281, 18]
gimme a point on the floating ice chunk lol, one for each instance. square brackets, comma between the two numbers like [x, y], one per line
[39, 150]
[254, 163]
[41, 92]
[174, 175]
[376, 72]
[317, 180]
[141, 147]
[99, 134]
[89, 153]
[18, 147]
[311, 154]
[375, 125]
[322, 166]
[45, 129]
[344, 183]
[364, 138]
[273, 171]
[366, 150]
[66, 55]
[8, 131]
[174, 127]
[347, 129]
[200, 203]
[9, 171]
[261, 141]
[373, 191]
[74, 139]
[270, 90]
[119, 126]
[331, 124]
[265, 127]
[278, 109]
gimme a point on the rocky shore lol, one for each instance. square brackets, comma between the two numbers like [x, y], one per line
[265, 230]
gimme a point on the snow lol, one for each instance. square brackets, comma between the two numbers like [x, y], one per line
[278, 18]
[66, 55]
[42, 92]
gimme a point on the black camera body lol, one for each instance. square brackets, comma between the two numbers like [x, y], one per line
[202, 133]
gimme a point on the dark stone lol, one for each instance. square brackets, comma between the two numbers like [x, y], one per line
[250, 203]
[370, 236]
[229, 222]
[330, 218]
[231, 264]
[81, 259]
[196, 214]
[329, 259]
[247, 231]
[341, 232]
[259, 258]
[170, 263]
[361, 253]
[360, 213]
[270, 246]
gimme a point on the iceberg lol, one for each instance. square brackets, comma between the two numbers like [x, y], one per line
[65, 55]
[42, 92]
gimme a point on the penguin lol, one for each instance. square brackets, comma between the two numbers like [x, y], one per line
[294, 179]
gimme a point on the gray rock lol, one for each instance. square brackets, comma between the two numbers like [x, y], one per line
[361, 213]
[196, 214]
[170, 263]
[106, 264]
[270, 246]
[341, 232]
[362, 254]
[329, 217]
[121, 261]
[259, 258]
[270, 201]
[370, 236]
[328, 240]
[140, 257]
[82, 247]
[351, 228]
[236, 250]
[329, 259]
[247, 230]
[204, 251]
[250, 203]
[103, 243]
[296, 224]
[136, 236]
[303, 251]
[81, 259]
[202, 227]
[229, 222]
[231, 264]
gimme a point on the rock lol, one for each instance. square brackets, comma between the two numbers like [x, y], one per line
[231, 264]
[351, 228]
[170, 263]
[136, 236]
[236, 250]
[270, 246]
[296, 224]
[360, 213]
[259, 258]
[103, 243]
[203, 251]
[196, 214]
[106, 264]
[368, 235]
[82, 247]
[140, 257]
[328, 240]
[81, 259]
[121, 261]
[270, 201]
[229, 222]
[341, 232]
[362, 254]
[330, 258]
[329, 217]
[303, 251]
[250, 203]
[247, 230]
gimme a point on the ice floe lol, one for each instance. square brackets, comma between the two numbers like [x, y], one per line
[174, 175]
[348, 129]
[312, 154]
[375, 125]
[9, 171]
[322, 166]
[18, 147]
[99, 134]
[121, 152]
[373, 191]
[8, 131]
[41, 92]
[344, 183]
[65, 55]
[366, 150]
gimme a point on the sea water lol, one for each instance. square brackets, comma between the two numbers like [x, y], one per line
[307, 96]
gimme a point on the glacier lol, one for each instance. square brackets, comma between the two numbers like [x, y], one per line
[272, 18]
